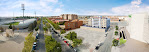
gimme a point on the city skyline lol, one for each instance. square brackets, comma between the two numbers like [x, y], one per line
[80, 7]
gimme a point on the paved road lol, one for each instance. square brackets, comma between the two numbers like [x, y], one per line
[64, 46]
[41, 42]
[106, 47]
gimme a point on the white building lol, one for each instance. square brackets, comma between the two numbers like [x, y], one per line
[96, 22]
[139, 27]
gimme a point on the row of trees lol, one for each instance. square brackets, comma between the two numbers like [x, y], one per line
[52, 45]
[73, 36]
[32, 26]
[38, 24]
[28, 43]
[56, 26]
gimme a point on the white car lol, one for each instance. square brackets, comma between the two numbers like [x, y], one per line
[35, 43]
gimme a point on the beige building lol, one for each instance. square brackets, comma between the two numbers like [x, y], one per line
[69, 16]
[89, 22]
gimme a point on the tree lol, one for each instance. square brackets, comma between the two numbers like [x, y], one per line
[63, 31]
[48, 25]
[116, 27]
[52, 45]
[71, 35]
[36, 29]
[45, 28]
[30, 27]
[116, 33]
[10, 26]
[115, 42]
[77, 42]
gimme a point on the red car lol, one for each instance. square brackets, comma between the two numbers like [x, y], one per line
[66, 43]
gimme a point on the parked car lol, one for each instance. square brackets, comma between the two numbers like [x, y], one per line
[34, 47]
[75, 50]
[34, 43]
[97, 47]
[70, 46]
[63, 38]
[37, 36]
[66, 43]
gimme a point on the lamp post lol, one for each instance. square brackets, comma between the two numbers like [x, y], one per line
[23, 11]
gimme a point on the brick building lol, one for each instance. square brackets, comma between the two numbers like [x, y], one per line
[73, 24]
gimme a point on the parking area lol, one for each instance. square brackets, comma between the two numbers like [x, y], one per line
[13, 44]
[91, 37]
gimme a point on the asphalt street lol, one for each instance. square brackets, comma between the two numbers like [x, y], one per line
[106, 47]
[41, 43]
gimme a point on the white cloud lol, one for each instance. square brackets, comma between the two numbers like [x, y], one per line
[57, 10]
[45, 7]
[134, 7]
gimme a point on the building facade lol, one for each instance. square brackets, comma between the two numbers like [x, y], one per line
[138, 27]
[73, 24]
[96, 22]
[69, 16]
[105, 22]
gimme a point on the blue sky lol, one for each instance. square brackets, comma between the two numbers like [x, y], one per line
[80, 7]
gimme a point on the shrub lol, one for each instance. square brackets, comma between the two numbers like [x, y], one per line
[115, 42]
[63, 31]
[77, 42]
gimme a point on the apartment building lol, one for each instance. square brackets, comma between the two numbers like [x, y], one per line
[138, 27]
[89, 22]
[105, 23]
[73, 24]
[69, 16]
[96, 22]
[69, 25]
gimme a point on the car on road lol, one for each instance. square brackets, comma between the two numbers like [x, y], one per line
[35, 43]
[34, 47]
[66, 43]
[70, 46]
[37, 36]
[97, 47]
[63, 38]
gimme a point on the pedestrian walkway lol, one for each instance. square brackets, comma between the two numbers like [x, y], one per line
[133, 45]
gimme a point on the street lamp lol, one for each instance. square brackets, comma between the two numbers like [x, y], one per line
[23, 11]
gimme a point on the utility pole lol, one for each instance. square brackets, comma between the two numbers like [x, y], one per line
[35, 13]
[23, 12]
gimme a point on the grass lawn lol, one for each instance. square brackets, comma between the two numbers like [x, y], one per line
[13, 23]
[122, 41]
